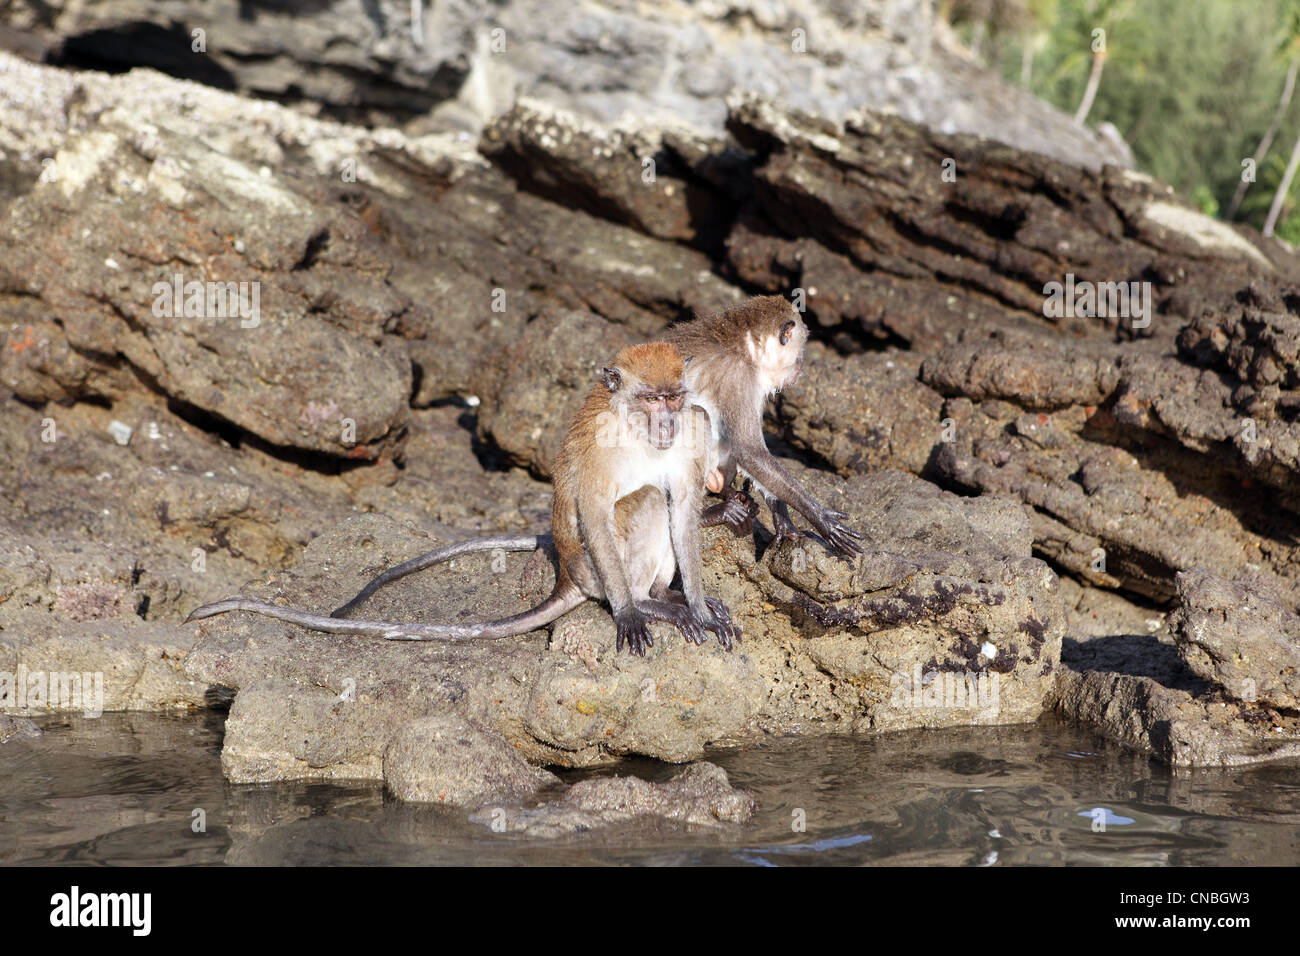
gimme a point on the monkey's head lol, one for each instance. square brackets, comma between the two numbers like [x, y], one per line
[647, 384]
[774, 339]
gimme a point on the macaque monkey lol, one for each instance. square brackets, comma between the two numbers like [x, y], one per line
[629, 487]
[737, 359]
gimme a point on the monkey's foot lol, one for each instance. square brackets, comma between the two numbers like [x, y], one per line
[678, 615]
[671, 607]
[785, 528]
[633, 627]
[737, 511]
[723, 626]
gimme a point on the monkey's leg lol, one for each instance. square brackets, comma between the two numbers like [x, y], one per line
[684, 501]
[781, 523]
[645, 548]
[661, 590]
[612, 543]
[516, 542]
[563, 599]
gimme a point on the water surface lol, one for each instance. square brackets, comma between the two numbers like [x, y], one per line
[123, 789]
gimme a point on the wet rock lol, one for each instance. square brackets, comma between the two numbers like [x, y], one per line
[444, 759]
[17, 728]
[282, 731]
[1240, 636]
[1124, 674]
[701, 795]
[1174, 726]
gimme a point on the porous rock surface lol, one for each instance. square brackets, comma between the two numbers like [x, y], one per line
[430, 311]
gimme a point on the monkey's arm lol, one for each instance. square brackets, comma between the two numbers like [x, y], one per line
[517, 542]
[749, 449]
[684, 501]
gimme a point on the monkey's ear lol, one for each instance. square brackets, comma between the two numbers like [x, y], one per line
[613, 381]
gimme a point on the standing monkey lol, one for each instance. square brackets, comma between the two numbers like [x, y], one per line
[629, 486]
[738, 359]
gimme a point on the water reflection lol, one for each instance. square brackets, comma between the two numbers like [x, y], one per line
[134, 789]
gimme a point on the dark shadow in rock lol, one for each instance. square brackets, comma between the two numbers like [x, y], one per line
[1137, 655]
[489, 455]
[1261, 508]
[117, 50]
[248, 8]
[217, 699]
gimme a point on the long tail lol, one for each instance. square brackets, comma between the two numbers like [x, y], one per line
[561, 601]
[514, 542]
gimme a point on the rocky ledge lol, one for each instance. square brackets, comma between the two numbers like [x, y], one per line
[1093, 513]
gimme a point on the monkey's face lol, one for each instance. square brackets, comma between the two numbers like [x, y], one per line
[661, 407]
[778, 352]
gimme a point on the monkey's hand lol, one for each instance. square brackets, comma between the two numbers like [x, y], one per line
[722, 625]
[633, 626]
[737, 511]
[841, 539]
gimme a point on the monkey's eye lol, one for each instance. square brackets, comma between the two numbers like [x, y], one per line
[785, 333]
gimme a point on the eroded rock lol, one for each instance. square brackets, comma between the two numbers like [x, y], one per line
[1240, 636]
[444, 759]
[699, 796]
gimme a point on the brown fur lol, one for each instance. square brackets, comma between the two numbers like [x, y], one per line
[761, 315]
[625, 518]
[728, 381]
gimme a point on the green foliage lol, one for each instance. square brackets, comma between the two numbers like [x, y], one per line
[1191, 84]
[1203, 198]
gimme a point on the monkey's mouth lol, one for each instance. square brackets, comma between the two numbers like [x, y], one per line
[793, 375]
[663, 431]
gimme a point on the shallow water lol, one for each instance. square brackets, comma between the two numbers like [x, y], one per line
[122, 790]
